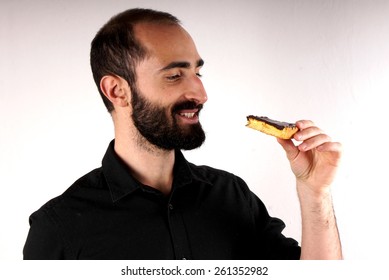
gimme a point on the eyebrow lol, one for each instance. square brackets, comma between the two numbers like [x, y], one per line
[182, 64]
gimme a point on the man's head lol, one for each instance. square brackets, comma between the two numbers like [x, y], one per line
[115, 50]
[144, 61]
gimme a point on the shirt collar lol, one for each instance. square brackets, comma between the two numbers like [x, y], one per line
[116, 173]
[122, 183]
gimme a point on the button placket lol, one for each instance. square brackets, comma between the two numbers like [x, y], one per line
[177, 230]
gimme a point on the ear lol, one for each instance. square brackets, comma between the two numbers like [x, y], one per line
[116, 89]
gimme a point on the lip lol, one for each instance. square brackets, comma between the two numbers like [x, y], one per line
[190, 116]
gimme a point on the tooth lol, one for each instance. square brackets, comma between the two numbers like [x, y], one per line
[188, 115]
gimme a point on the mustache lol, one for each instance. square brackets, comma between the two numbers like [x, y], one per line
[187, 105]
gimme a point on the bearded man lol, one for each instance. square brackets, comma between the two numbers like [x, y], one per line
[146, 201]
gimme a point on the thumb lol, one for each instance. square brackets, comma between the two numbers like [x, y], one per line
[291, 150]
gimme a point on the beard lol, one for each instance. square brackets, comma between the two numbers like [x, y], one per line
[159, 126]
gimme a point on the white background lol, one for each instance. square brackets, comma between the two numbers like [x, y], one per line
[300, 59]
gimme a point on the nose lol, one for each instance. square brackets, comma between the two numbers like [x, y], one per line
[196, 91]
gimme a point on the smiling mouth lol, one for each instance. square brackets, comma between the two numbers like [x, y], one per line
[188, 115]
[188, 112]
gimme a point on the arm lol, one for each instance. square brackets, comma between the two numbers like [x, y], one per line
[314, 163]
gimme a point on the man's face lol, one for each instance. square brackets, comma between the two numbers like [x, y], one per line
[169, 94]
[160, 126]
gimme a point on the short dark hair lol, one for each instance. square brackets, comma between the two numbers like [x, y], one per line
[116, 51]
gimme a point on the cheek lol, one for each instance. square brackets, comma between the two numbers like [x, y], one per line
[163, 96]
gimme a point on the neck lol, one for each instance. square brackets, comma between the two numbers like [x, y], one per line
[149, 164]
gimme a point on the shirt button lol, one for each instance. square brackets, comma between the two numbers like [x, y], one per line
[170, 206]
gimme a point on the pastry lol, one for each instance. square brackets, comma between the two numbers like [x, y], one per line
[275, 128]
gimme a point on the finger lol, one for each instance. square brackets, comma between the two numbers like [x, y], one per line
[303, 124]
[307, 133]
[291, 150]
[331, 147]
[314, 142]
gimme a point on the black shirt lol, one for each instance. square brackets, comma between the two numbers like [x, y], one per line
[107, 214]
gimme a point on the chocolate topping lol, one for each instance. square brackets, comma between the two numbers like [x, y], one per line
[276, 124]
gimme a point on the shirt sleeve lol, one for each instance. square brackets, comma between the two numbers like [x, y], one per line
[44, 241]
[271, 244]
[274, 245]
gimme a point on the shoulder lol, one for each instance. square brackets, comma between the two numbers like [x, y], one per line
[213, 174]
[222, 179]
[80, 188]
[52, 225]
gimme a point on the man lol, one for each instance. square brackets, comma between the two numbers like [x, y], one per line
[147, 201]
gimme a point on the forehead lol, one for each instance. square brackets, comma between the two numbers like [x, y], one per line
[166, 42]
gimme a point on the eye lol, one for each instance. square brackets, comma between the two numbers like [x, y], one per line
[173, 77]
[199, 75]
